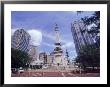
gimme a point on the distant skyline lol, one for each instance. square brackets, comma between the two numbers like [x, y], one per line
[40, 25]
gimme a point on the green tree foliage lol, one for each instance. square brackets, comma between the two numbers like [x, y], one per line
[89, 56]
[19, 58]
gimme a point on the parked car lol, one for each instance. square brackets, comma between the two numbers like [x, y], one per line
[14, 70]
[44, 67]
[21, 70]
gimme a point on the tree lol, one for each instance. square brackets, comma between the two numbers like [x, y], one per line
[19, 58]
[89, 56]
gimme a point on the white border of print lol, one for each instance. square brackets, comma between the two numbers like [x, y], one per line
[55, 7]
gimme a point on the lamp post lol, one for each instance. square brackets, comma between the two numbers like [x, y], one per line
[29, 70]
[26, 66]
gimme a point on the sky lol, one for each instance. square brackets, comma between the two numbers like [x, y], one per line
[40, 25]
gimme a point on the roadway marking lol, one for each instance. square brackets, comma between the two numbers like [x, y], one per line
[70, 73]
[39, 74]
[63, 74]
[36, 74]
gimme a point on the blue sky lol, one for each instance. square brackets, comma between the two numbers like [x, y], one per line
[43, 22]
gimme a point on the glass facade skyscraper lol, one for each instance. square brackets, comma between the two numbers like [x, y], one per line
[80, 35]
[20, 40]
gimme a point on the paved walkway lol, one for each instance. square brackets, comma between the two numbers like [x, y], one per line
[55, 73]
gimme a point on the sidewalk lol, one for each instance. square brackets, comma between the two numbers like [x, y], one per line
[55, 73]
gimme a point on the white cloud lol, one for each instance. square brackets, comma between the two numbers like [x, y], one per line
[49, 45]
[68, 45]
[52, 37]
[49, 36]
[12, 31]
[73, 51]
[36, 37]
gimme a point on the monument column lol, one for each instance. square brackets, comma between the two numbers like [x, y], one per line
[58, 53]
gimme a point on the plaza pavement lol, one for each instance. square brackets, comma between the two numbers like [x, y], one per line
[52, 73]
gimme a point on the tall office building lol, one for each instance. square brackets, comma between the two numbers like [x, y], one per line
[34, 55]
[33, 52]
[46, 58]
[20, 40]
[80, 35]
